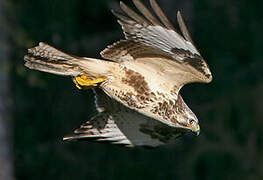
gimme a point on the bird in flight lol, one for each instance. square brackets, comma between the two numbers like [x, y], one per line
[137, 82]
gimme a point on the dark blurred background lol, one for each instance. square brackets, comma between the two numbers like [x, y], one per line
[37, 109]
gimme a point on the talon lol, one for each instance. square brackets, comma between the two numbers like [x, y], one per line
[83, 80]
[78, 86]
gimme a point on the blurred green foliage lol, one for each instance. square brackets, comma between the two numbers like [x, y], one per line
[46, 107]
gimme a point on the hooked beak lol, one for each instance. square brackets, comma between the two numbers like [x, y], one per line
[196, 130]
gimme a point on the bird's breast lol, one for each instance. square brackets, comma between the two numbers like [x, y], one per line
[133, 89]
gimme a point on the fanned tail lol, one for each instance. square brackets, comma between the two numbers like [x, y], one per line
[48, 59]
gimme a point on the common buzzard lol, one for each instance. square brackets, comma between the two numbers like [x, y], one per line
[137, 84]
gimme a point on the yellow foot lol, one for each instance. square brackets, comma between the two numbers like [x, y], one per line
[83, 81]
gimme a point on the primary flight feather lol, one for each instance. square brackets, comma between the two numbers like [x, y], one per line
[137, 86]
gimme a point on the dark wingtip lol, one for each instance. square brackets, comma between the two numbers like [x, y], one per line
[122, 4]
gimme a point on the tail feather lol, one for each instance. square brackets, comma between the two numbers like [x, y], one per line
[48, 59]
[45, 66]
[49, 53]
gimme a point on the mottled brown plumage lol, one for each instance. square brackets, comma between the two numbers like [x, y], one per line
[138, 99]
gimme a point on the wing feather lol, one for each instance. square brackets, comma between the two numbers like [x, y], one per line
[124, 50]
[150, 31]
[162, 39]
[140, 6]
[159, 12]
[183, 27]
[117, 124]
[133, 14]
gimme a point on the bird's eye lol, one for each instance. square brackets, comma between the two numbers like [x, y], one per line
[191, 121]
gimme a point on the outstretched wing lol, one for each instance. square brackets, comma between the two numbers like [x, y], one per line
[149, 37]
[150, 31]
[117, 124]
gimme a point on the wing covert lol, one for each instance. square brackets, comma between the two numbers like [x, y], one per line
[161, 37]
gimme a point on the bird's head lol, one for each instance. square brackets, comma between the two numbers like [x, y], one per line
[185, 118]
